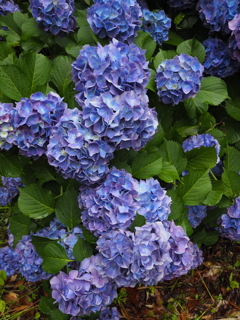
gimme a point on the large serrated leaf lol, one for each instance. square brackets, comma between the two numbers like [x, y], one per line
[88, 236]
[46, 304]
[163, 55]
[54, 258]
[178, 209]
[146, 165]
[146, 42]
[139, 221]
[231, 181]
[40, 243]
[19, 226]
[5, 50]
[82, 250]
[232, 162]
[193, 48]
[195, 187]
[10, 165]
[213, 198]
[193, 106]
[201, 158]
[168, 172]
[36, 202]
[233, 108]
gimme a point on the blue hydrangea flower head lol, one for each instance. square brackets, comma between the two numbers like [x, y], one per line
[124, 121]
[9, 190]
[181, 4]
[109, 314]
[184, 254]
[76, 152]
[34, 120]
[54, 16]
[85, 290]
[8, 6]
[196, 214]
[215, 14]
[201, 140]
[179, 79]
[218, 62]
[56, 230]
[119, 19]
[157, 24]
[30, 263]
[9, 261]
[114, 68]
[230, 222]
[111, 205]
[153, 201]
[6, 128]
[234, 42]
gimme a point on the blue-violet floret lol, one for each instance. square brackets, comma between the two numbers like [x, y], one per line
[234, 40]
[8, 6]
[181, 4]
[9, 261]
[196, 214]
[6, 127]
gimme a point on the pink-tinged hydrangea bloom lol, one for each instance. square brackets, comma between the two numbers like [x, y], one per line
[234, 40]
[119, 19]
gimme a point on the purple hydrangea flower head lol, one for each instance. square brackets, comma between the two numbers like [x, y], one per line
[53, 16]
[181, 4]
[151, 253]
[153, 201]
[201, 140]
[230, 222]
[6, 128]
[33, 120]
[70, 240]
[111, 205]
[234, 42]
[124, 121]
[218, 62]
[109, 314]
[9, 260]
[157, 24]
[184, 254]
[216, 13]
[196, 214]
[85, 290]
[76, 152]
[9, 190]
[116, 248]
[114, 68]
[119, 19]
[178, 79]
[30, 263]
[8, 6]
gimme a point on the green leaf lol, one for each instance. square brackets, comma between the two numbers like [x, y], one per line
[146, 42]
[178, 209]
[139, 221]
[82, 250]
[174, 39]
[232, 131]
[46, 304]
[231, 182]
[3, 275]
[33, 44]
[232, 162]
[123, 165]
[73, 49]
[213, 91]
[201, 158]
[84, 36]
[213, 198]
[151, 83]
[233, 108]
[195, 187]
[40, 243]
[163, 55]
[146, 165]
[212, 238]
[157, 138]
[200, 237]
[206, 121]
[30, 29]
[36, 202]
[2, 306]
[187, 131]
[67, 209]
[88, 236]
[5, 50]
[193, 106]
[54, 258]
[56, 314]
[19, 226]
[168, 172]
[212, 217]
[10, 165]
[185, 224]
[193, 48]
[44, 174]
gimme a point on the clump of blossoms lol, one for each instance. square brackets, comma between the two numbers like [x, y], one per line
[76, 152]
[216, 14]
[196, 214]
[157, 24]
[234, 42]
[184, 254]
[111, 205]
[33, 121]
[181, 4]
[119, 19]
[114, 68]
[178, 79]
[218, 62]
[9, 190]
[53, 16]
[109, 314]
[6, 127]
[9, 261]
[124, 121]
[85, 290]
[8, 6]
[230, 222]
[201, 140]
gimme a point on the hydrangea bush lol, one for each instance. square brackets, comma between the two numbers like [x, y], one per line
[119, 143]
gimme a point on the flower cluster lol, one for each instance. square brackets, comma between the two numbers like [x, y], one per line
[33, 121]
[119, 19]
[9, 261]
[157, 24]
[216, 14]
[6, 128]
[9, 190]
[196, 214]
[8, 6]
[76, 152]
[181, 4]
[230, 222]
[109, 314]
[178, 79]
[218, 62]
[114, 68]
[124, 121]
[234, 43]
[54, 17]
